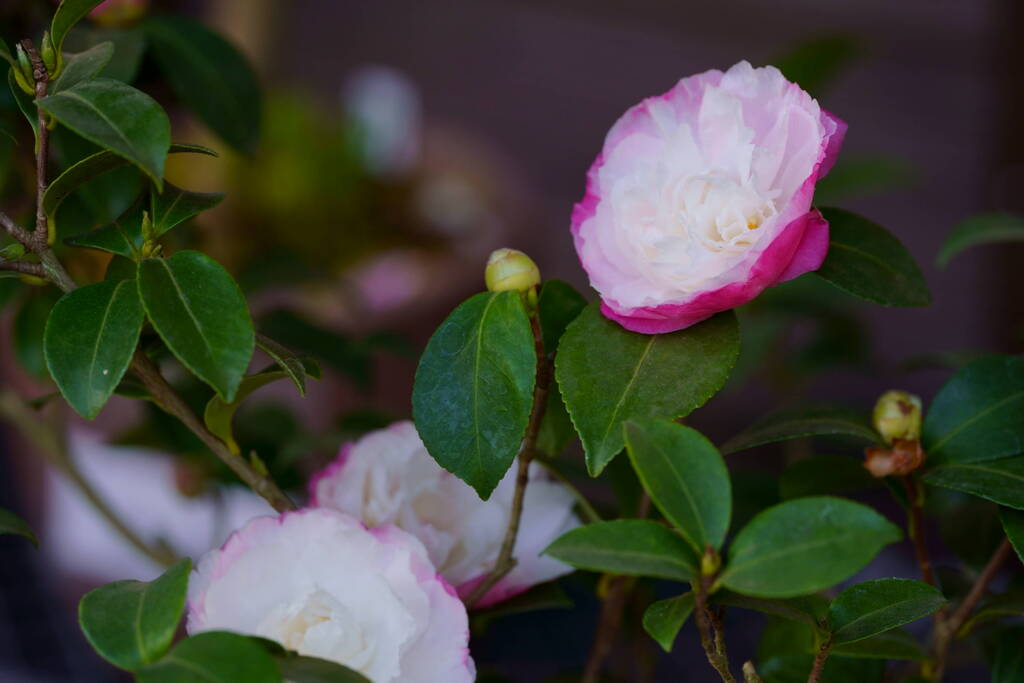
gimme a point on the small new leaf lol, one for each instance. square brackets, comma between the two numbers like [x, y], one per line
[10, 523]
[83, 66]
[663, 619]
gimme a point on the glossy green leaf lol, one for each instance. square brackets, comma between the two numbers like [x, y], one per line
[82, 66]
[986, 228]
[210, 76]
[292, 364]
[219, 413]
[976, 415]
[174, 206]
[685, 476]
[68, 13]
[1008, 666]
[663, 619]
[825, 475]
[872, 607]
[123, 237]
[213, 657]
[896, 643]
[802, 421]
[118, 118]
[634, 547]
[474, 388]
[91, 167]
[608, 375]
[805, 545]
[558, 305]
[132, 623]
[1001, 481]
[1013, 525]
[865, 260]
[301, 669]
[10, 523]
[199, 311]
[90, 340]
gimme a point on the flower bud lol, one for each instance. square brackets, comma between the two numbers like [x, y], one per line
[119, 13]
[49, 54]
[898, 416]
[23, 74]
[511, 270]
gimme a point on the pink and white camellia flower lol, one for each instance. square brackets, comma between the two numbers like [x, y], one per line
[319, 582]
[701, 198]
[387, 477]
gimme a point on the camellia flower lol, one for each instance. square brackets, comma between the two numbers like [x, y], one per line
[318, 582]
[387, 477]
[701, 198]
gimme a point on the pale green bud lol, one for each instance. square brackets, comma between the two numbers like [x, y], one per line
[511, 270]
[898, 416]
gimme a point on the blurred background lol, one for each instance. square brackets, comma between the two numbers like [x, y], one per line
[400, 142]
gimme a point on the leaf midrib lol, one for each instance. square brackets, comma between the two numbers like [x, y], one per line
[974, 418]
[625, 392]
[874, 614]
[188, 309]
[478, 452]
[75, 96]
[99, 337]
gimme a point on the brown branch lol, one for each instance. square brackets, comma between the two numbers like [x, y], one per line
[506, 561]
[608, 626]
[945, 632]
[915, 523]
[14, 230]
[46, 442]
[35, 269]
[711, 637]
[171, 402]
[819, 663]
[750, 673]
[42, 79]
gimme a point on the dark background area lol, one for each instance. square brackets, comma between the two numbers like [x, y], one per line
[937, 85]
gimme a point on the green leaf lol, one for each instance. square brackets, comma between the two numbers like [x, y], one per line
[873, 607]
[90, 167]
[10, 523]
[865, 260]
[854, 176]
[893, 644]
[1008, 666]
[1013, 525]
[1001, 481]
[558, 305]
[25, 103]
[174, 206]
[985, 228]
[823, 475]
[210, 76]
[635, 547]
[213, 657]
[132, 623]
[474, 388]
[5, 54]
[805, 545]
[117, 117]
[29, 327]
[290, 362]
[807, 610]
[685, 476]
[82, 66]
[663, 619]
[802, 421]
[68, 13]
[123, 237]
[301, 669]
[608, 375]
[199, 311]
[219, 413]
[977, 414]
[89, 342]
[556, 430]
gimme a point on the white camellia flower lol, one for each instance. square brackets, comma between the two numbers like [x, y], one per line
[387, 477]
[319, 582]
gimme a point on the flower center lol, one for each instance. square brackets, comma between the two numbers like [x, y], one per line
[716, 211]
[320, 626]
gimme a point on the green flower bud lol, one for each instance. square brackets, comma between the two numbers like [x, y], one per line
[23, 74]
[511, 270]
[49, 54]
[898, 416]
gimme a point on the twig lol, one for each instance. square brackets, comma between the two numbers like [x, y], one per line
[42, 79]
[23, 267]
[750, 673]
[52, 448]
[608, 626]
[14, 230]
[819, 663]
[710, 633]
[948, 630]
[915, 522]
[505, 561]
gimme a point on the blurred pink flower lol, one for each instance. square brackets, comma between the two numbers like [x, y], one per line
[119, 12]
[318, 582]
[701, 198]
[387, 477]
